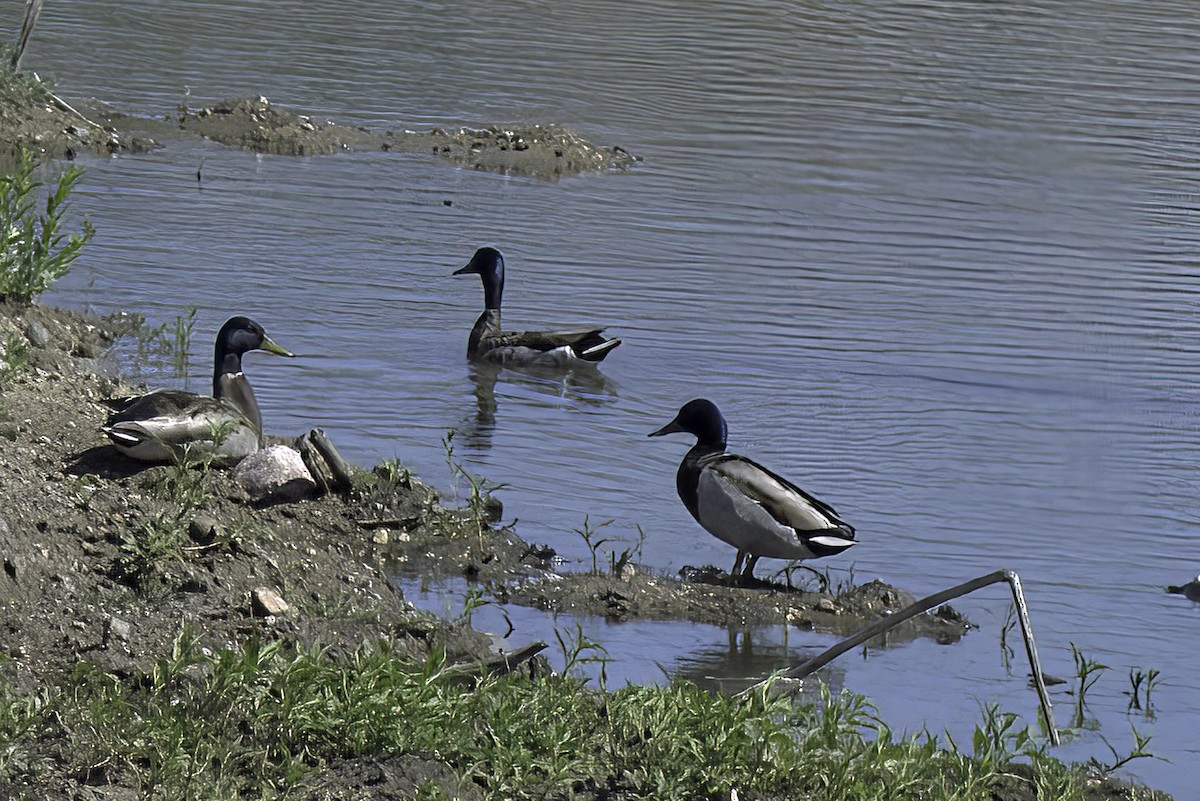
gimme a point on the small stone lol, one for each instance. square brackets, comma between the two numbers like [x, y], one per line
[37, 334]
[381, 537]
[203, 529]
[275, 475]
[266, 602]
[826, 605]
[119, 629]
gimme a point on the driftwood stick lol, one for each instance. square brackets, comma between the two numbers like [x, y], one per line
[315, 463]
[33, 10]
[498, 665]
[338, 466]
[819, 661]
[1035, 664]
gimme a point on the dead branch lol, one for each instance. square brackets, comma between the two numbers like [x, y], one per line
[866, 633]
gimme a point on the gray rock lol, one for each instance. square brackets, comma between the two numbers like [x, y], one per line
[204, 529]
[37, 334]
[265, 602]
[275, 475]
[119, 629]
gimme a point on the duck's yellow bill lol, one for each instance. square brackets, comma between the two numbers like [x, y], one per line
[270, 347]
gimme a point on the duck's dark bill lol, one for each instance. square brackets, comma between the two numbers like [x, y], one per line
[470, 268]
[672, 427]
[270, 347]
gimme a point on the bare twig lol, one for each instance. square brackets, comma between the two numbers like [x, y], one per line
[33, 10]
[810, 666]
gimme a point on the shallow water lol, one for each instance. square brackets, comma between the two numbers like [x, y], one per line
[933, 260]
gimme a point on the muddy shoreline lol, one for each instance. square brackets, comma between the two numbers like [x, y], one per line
[389, 521]
[80, 587]
[82, 583]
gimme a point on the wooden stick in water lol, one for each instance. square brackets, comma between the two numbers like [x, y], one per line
[810, 666]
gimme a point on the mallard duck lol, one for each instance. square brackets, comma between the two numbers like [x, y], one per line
[536, 348]
[742, 503]
[162, 425]
[1191, 590]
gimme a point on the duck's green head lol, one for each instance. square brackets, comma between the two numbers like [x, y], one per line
[240, 335]
[700, 418]
[488, 264]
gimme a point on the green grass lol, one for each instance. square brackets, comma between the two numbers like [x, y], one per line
[14, 357]
[35, 247]
[252, 723]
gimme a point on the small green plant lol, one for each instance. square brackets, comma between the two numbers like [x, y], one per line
[14, 357]
[1087, 673]
[579, 650]
[167, 345]
[187, 481]
[998, 740]
[618, 561]
[1141, 684]
[180, 340]
[144, 551]
[393, 475]
[592, 539]
[1140, 741]
[480, 502]
[35, 247]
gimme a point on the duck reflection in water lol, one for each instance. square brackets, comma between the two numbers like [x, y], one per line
[580, 386]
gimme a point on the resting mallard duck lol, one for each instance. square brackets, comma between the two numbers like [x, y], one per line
[167, 424]
[489, 343]
[742, 503]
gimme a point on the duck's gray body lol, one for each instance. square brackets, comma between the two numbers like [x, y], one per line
[744, 504]
[169, 424]
[490, 343]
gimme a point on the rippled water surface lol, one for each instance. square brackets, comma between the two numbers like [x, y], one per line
[935, 261]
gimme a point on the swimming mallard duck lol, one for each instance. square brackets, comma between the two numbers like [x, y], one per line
[742, 503]
[533, 348]
[162, 425]
[1191, 590]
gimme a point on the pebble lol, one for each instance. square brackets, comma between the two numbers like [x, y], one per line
[37, 334]
[203, 529]
[119, 629]
[266, 602]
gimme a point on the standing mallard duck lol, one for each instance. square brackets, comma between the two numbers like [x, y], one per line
[488, 343]
[162, 425]
[742, 503]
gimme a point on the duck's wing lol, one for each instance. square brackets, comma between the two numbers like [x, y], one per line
[588, 344]
[173, 402]
[161, 425]
[784, 501]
